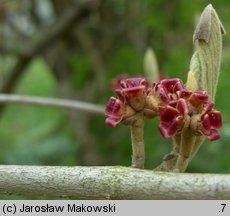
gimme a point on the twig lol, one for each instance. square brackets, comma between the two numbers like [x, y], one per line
[63, 103]
[111, 183]
[138, 147]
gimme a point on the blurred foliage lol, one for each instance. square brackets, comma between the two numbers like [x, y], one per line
[121, 31]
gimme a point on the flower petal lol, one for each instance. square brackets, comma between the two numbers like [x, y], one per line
[215, 119]
[198, 98]
[163, 128]
[184, 93]
[113, 121]
[168, 130]
[133, 92]
[120, 94]
[114, 107]
[182, 106]
[201, 95]
[163, 95]
[214, 135]
[168, 114]
[173, 103]
[133, 82]
[173, 128]
[169, 84]
[206, 122]
[208, 106]
[178, 87]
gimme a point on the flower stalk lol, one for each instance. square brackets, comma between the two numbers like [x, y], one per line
[137, 138]
[169, 160]
[185, 151]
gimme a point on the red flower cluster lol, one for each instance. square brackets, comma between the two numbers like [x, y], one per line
[131, 94]
[169, 99]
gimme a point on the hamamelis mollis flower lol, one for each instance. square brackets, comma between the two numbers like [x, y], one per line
[181, 111]
[172, 119]
[176, 106]
[135, 95]
[128, 109]
[133, 92]
[117, 111]
[161, 94]
[131, 99]
[208, 121]
[194, 109]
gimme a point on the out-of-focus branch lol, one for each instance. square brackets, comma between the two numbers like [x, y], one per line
[8, 49]
[62, 103]
[111, 183]
[45, 39]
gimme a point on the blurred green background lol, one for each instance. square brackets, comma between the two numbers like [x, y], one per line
[109, 38]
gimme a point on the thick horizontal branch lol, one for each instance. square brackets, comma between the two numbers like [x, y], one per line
[62, 103]
[111, 183]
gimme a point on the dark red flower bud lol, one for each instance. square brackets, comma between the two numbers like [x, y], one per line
[134, 82]
[211, 121]
[182, 106]
[158, 91]
[163, 94]
[133, 91]
[168, 114]
[215, 119]
[208, 106]
[214, 134]
[112, 121]
[172, 85]
[184, 93]
[115, 109]
[167, 130]
[172, 119]
[198, 98]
